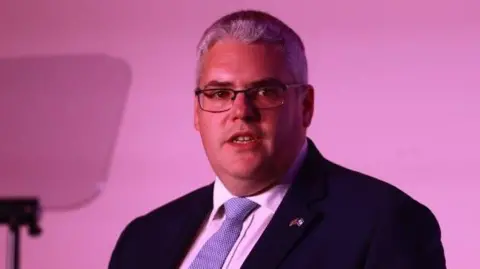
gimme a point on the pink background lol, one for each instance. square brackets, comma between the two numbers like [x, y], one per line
[397, 98]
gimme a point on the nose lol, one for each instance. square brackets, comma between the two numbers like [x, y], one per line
[243, 108]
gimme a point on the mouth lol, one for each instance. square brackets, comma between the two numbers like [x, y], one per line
[244, 138]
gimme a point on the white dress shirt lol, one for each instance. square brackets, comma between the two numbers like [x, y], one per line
[254, 224]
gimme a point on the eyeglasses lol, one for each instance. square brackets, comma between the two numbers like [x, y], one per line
[220, 99]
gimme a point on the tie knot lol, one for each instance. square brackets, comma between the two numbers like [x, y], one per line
[239, 208]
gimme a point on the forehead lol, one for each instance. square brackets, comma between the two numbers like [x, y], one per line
[239, 64]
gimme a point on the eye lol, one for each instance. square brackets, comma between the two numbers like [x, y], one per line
[218, 94]
[268, 91]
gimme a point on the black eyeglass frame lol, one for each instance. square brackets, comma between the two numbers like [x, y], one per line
[198, 91]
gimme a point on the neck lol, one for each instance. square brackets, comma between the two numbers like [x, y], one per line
[248, 187]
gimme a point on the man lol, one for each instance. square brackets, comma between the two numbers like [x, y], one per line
[276, 201]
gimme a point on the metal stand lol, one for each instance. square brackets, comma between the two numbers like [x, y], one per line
[15, 213]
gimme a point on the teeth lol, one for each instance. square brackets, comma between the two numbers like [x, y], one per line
[243, 139]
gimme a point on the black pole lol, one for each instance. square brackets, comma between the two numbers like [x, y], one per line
[14, 247]
[17, 213]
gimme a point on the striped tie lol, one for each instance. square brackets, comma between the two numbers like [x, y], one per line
[216, 249]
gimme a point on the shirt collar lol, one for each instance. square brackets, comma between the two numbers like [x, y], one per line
[270, 199]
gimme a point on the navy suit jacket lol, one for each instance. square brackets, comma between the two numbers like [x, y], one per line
[351, 220]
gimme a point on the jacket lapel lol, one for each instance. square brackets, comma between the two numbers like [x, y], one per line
[186, 231]
[294, 216]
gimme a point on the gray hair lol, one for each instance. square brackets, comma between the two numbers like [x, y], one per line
[252, 26]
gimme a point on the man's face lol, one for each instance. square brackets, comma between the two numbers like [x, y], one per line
[278, 132]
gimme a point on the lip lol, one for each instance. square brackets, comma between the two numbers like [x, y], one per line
[244, 133]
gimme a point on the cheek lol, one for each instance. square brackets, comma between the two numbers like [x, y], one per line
[210, 129]
[271, 122]
[284, 122]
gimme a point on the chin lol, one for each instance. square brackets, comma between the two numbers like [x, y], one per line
[246, 168]
[244, 160]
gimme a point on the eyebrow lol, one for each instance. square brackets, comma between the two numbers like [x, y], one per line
[217, 83]
[256, 83]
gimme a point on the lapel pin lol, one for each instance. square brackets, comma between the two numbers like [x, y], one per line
[296, 222]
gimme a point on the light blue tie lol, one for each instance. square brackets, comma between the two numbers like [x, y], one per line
[216, 249]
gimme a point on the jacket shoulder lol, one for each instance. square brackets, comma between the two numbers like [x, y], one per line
[143, 230]
[175, 209]
[366, 191]
[199, 197]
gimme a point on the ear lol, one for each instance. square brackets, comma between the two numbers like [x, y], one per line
[195, 114]
[308, 105]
